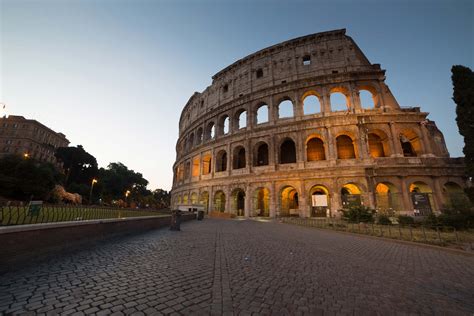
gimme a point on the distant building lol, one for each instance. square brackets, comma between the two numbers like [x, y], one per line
[22, 136]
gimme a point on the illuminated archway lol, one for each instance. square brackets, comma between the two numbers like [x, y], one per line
[387, 199]
[219, 201]
[320, 206]
[289, 203]
[350, 195]
[261, 202]
[238, 202]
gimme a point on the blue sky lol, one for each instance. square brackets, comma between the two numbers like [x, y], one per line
[114, 75]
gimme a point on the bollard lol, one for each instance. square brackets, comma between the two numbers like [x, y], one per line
[175, 220]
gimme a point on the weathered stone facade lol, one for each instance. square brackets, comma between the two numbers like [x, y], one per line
[237, 152]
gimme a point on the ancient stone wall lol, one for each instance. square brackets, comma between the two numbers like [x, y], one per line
[269, 136]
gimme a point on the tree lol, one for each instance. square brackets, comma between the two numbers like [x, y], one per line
[80, 166]
[463, 96]
[22, 179]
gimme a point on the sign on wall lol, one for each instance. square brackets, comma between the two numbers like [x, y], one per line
[319, 200]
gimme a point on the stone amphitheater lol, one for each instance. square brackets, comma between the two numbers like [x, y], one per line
[283, 132]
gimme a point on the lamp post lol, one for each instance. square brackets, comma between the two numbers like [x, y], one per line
[127, 193]
[94, 181]
[26, 155]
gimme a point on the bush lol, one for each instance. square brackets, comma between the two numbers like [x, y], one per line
[459, 221]
[406, 220]
[358, 214]
[384, 220]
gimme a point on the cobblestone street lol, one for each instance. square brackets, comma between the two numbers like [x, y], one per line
[244, 267]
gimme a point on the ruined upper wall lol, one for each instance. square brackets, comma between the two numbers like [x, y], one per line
[315, 55]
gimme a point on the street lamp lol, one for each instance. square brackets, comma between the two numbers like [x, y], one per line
[26, 155]
[94, 181]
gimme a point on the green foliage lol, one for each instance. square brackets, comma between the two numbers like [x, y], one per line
[406, 220]
[463, 96]
[360, 213]
[23, 179]
[384, 220]
[80, 166]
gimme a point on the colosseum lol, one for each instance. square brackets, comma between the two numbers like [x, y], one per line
[284, 132]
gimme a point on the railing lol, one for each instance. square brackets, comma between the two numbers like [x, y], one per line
[38, 214]
[438, 235]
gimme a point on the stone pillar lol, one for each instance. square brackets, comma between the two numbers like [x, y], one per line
[272, 112]
[248, 201]
[363, 148]
[326, 106]
[211, 199]
[228, 200]
[330, 144]
[438, 194]
[406, 197]
[273, 199]
[394, 137]
[355, 100]
[426, 140]
[298, 106]
[303, 205]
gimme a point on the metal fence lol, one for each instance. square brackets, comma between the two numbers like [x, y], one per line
[37, 214]
[438, 235]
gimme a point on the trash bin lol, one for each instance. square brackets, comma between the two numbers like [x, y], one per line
[175, 220]
[200, 215]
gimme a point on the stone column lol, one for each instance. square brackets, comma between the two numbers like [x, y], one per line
[248, 200]
[426, 140]
[363, 148]
[326, 106]
[394, 137]
[406, 197]
[330, 144]
[303, 205]
[438, 194]
[211, 199]
[355, 99]
[298, 107]
[272, 112]
[228, 200]
[273, 199]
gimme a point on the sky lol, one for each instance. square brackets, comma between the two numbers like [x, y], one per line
[114, 75]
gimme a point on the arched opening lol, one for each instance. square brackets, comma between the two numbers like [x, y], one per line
[422, 198]
[367, 99]
[204, 201]
[289, 204]
[261, 155]
[206, 163]
[350, 196]
[191, 141]
[238, 202]
[311, 105]
[219, 201]
[199, 136]
[239, 158]
[376, 146]
[240, 119]
[194, 198]
[285, 108]
[410, 142]
[187, 169]
[180, 199]
[345, 147]
[288, 151]
[180, 172]
[185, 199]
[339, 99]
[387, 199]
[221, 161]
[315, 149]
[262, 114]
[196, 166]
[319, 201]
[224, 125]
[454, 197]
[210, 131]
[261, 202]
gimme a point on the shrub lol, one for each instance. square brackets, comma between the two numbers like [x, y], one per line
[406, 220]
[384, 220]
[357, 214]
[459, 221]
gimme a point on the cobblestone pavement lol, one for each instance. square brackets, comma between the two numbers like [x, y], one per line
[241, 268]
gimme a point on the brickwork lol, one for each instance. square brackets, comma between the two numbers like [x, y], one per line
[244, 267]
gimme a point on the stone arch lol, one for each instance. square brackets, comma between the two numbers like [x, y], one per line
[238, 158]
[374, 95]
[422, 198]
[240, 119]
[191, 141]
[387, 198]
[410, 142]
[180, 199]
[219, 201]
[238, 202]
[345, 147]
[454, 196]
[312, 102]
[262, 113]
[206, 163]
[223, 125]
[221, 161]
[351, 195]
[185, 199]
[379, 143]
[261, 202]
[287, 152]
[289, 201]
[210, 131]
[199, 136]
[315, 149]
[333, 97]
[194, 198]
[320, 201]
[261, 154]
[204, 200]
[286, 108]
